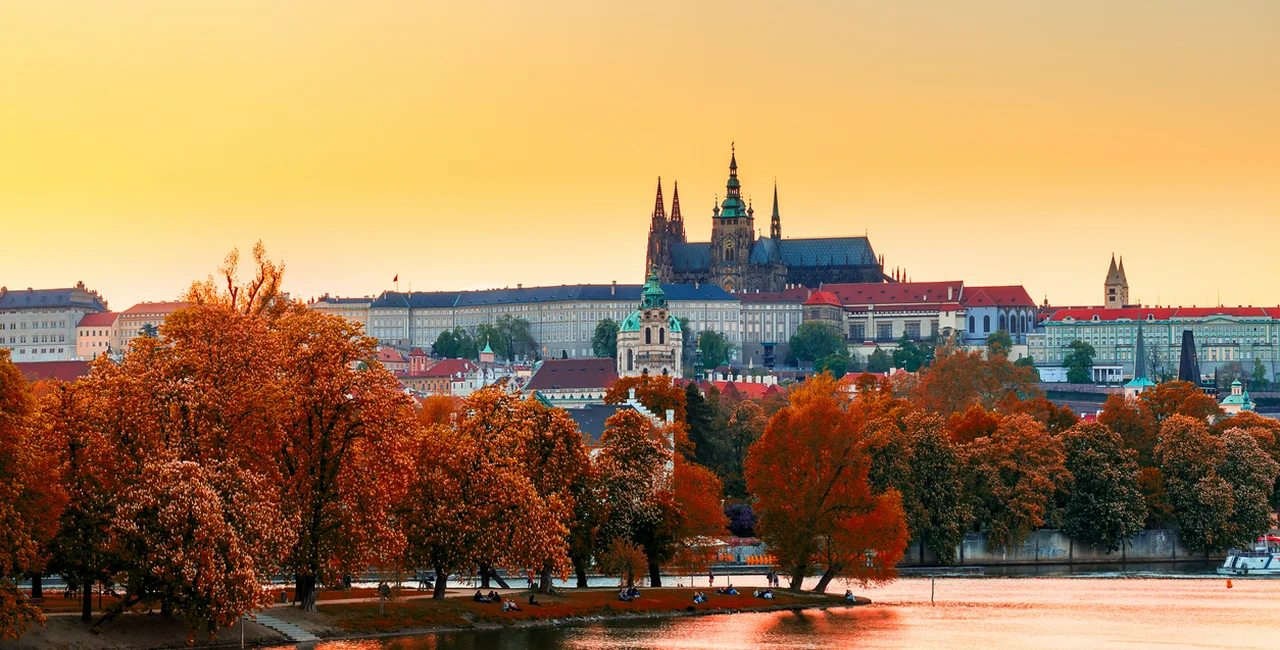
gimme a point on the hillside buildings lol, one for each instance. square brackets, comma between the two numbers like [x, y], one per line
[737, 259]
[41, 324]
[143, 319]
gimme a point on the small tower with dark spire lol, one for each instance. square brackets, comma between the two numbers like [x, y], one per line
[1116, 287]
[775, 221]
[659, 247]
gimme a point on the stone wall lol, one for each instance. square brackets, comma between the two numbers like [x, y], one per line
[1054, 547]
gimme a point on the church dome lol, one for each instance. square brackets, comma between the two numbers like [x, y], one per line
[632, 323]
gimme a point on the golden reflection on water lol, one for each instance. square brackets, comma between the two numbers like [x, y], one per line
[1041, 613]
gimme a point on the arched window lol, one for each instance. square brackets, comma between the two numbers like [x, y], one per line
[664, 372]
[986, 324]
[972, 327]
[1003, 323]
[648, 336]
[728, 253]
[662, 335]
[1023, 325]
[630, 364]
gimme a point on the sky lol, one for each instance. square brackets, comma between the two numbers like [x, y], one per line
[466, 145]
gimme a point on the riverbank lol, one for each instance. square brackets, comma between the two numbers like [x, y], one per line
[344, 619]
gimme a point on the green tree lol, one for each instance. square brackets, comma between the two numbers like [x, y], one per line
[715, 348]
[1229, 372]
[999, 343]
[836, 363]
[1025, 362]
[604, 343]
[700, 417]
[1079, 363]
[1106, 506]
[1202, 501]
[815, 340]
[879, 361]
[509, 337]
[455, 344]
[908, 355]
[148, 330]
[1258, 380]
[1251, 473]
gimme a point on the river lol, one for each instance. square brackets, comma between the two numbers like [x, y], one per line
[1041, 613]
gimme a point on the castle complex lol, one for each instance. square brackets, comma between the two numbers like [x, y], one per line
[738, 260]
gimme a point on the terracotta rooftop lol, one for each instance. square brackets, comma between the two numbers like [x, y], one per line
[1006, 296]
[443, 368]
[389, 355]
[823, 298]
[36, 371]
[98, 319]
[898, 293]
[1161, 313]
[154, 308]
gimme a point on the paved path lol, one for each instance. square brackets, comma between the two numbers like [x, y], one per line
[293, 632]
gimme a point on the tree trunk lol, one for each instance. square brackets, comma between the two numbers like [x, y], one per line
[827, 577]
[442, 580]
[545, 585]
[86, 605]
[484, 576]
[580, 568]
[166, 609]
[305, 594]
[37, 586]
[655, 574]
[797, 577]
[502, 584]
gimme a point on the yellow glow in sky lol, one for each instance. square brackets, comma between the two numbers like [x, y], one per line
[477, 144]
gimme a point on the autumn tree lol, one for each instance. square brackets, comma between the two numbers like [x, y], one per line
[957, 380]
[817, 510]
[1265, 431]
[1179, 398]
[555, 459]
[1251, 473]
[29, 500]
[1202, 500]
[635, 468]
[1106, 506]
[1013, 480]
[1133, 421]
[656, 393]
[975, 422]
[744, 427]
[473, 504]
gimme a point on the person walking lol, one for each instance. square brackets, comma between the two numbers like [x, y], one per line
[711, 578]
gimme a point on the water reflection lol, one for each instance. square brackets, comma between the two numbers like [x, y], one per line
[1045, 613]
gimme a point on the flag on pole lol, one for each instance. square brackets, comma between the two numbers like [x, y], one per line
[396, 279]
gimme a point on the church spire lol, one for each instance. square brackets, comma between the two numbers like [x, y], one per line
[659, 212]
[677, 220]
[775, 221]
[733, 205]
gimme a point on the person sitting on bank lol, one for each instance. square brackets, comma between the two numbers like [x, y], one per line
[848, 594]
[699, 597]
[625, 595]
[768, 594]
[533, 600]
[633, 592]
[494, 597]
[510, 606]
[479, 597]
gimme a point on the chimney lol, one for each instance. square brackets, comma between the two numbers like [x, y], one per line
[671, 416]
[613, 290]
[519, 285]
[695, 284]
[949, 298]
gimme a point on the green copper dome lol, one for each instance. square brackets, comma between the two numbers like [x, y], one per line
[653, 297]
[632, 323]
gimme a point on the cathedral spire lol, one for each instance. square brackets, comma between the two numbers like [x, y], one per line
[733, 205]
[659, 212]
[677, 220]
[775, 221]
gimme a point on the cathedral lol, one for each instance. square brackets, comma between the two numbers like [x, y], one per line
[738, 259]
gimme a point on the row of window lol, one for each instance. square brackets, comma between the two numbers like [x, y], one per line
[38, 325]
[38, 338]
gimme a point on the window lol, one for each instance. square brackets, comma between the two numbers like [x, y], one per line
[972, 328]
[913, 330]
[1003, 323]
[986, 324]
[884, 331]
[662, 335]
[648, 336]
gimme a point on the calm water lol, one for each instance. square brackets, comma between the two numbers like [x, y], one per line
[1042, 613]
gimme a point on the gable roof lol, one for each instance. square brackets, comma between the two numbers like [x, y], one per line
[999, 296]
[47, 298]
[827, 251]
[389, 355]
[36, 371]
[591, 420]
[823, 298]
[152, 308]
[444, 368]
[899, 293]
[98, 319]
[691, 256]
[573, 374]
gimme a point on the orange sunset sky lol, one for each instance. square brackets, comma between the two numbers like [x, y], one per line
[486, 143]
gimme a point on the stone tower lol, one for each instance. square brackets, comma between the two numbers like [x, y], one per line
[650, 340]
[1116, 288]
[732, 234]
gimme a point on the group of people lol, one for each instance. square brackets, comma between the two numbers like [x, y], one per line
[699, 597]
[492, 597]
[727, 591]
[629, 594]
[766, 594]
[773, 579]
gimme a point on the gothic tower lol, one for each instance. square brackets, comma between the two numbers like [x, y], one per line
[675, 225]
[1116, 287]
[775, 221]
[732, 234]
[659, 251]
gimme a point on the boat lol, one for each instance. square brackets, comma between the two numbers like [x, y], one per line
[1262, 560]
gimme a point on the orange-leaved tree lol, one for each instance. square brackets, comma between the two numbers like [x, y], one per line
[1014, 479]
[473, 504]
[957, 380]
[634, 469]
[816, 507]
[555, 459]
[30, 498]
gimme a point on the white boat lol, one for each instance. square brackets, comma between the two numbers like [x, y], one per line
[1262, 560]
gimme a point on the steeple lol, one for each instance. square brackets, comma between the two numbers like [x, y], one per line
[733, 205]
[775, 221]
[659, 212]
[1140, 352]
[676, 223]
[1115, 287]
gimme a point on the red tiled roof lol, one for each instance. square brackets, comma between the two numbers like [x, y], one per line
[155, 308]
[61, 370]
[823, 298]
[573, 374]
[898, 293]
[98, 319]
[1014, 295]
[1161, 313]
[443, 368]
[742, 389]
[390, 355]
[417, 352]
[794, 294]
